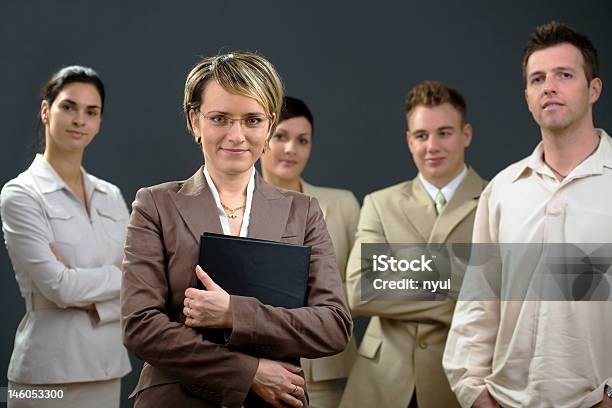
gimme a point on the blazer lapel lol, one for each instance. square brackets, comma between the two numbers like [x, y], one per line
[464, 201]
[269, 211]
[311, 190]
[418, 208]
[196, 205]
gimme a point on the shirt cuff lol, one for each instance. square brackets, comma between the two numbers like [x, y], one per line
[106, 312]
[468, 395]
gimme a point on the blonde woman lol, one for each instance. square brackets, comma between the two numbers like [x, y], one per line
[232, 103]
[64, 230]
[282, 165]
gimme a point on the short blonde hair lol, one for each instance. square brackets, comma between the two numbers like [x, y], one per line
[239, 72]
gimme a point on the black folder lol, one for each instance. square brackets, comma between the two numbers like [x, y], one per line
[276, 273]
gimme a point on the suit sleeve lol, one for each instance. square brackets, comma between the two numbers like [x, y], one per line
[470, 345]
[322, 328]
[350, 212]
[28, 234]
[210, 370]
[371, 231]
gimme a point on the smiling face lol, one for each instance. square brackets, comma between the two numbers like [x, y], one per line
[437, 138]
[234, 148]
[557, 93]
[73, 119]
[289, 151]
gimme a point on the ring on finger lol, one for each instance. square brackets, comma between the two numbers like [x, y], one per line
[294, 391]
[189, 321]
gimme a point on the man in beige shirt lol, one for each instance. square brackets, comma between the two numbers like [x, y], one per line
[548, 352]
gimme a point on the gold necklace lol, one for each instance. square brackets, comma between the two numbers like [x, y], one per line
[232, 211]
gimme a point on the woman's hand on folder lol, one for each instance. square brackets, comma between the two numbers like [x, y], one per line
[207, 308]
[278, 383]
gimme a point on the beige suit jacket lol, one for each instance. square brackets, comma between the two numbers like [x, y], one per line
[404, 343]
[341, 212]
[183, 369]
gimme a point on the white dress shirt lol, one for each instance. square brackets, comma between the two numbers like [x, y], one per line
[448, 190]
[244, 228]
[56, 342]
[537, 353]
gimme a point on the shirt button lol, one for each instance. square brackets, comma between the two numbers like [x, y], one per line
[553, 210]
[423, 344]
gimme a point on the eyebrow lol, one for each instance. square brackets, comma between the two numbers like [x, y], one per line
[71, 102]
[555, 69]
[445, 127]
[279, 130]
[423, 131]
[244, 114]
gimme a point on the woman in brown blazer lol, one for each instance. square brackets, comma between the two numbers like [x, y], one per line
[232, 103]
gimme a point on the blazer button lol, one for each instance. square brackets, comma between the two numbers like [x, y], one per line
[423, 344]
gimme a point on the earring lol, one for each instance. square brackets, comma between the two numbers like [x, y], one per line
[198, 140]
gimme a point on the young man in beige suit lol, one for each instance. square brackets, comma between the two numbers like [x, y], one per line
[400, 357]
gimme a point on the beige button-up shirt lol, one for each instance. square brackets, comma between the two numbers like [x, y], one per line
[538, 353]
[56, 342]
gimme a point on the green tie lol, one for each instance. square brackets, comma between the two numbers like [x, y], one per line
[440, 202]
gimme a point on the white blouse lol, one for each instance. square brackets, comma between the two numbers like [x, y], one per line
[244, 229]
[448, 190]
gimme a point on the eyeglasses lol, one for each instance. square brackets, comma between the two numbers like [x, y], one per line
[251, 122]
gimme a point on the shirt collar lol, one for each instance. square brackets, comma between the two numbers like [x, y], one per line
[48, 180]
[448, 190]
[221, 212]
[594, 164]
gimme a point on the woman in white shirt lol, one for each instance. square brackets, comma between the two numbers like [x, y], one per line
[64, 231]
[282, 165]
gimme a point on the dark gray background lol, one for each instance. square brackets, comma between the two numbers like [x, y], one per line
[353, 63]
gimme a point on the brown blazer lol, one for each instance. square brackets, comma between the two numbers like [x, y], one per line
[161, 252]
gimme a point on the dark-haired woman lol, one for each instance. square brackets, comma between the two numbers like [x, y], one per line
[64, 230]
[282, 165]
